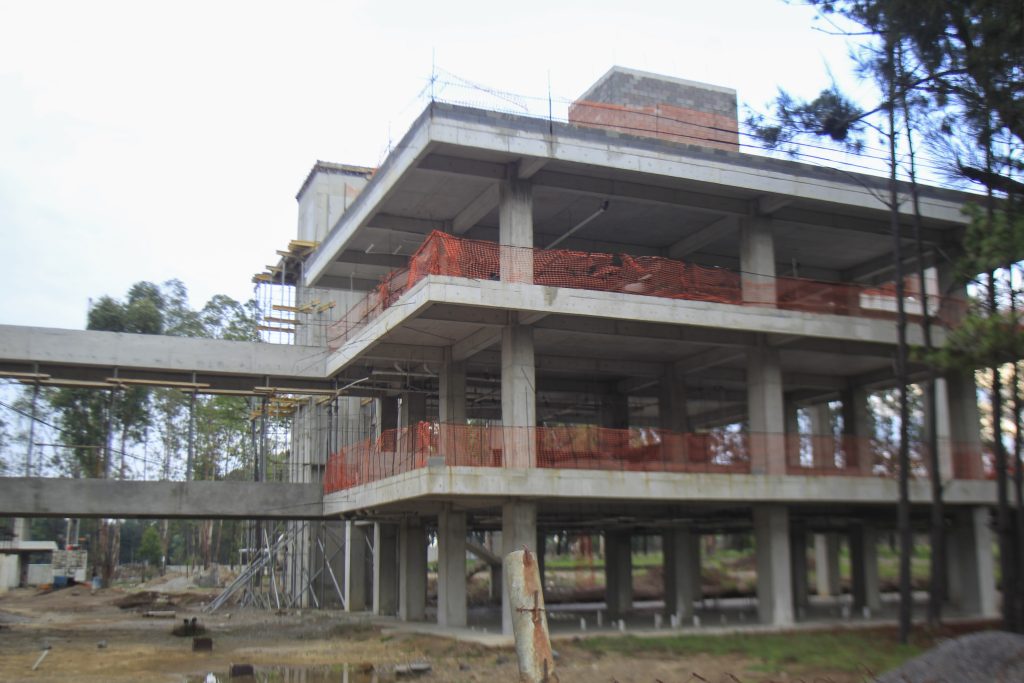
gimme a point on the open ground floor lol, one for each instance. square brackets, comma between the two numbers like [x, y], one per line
[90, 639]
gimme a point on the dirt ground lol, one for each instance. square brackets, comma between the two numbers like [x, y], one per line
[91, 639]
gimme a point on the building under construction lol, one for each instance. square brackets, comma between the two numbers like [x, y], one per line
[618, 326]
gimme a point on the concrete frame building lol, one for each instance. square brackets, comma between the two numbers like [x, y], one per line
[614, 326]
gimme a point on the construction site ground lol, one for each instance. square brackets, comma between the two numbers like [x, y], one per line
[88, 637]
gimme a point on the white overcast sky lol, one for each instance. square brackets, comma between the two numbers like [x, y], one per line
[149, 140]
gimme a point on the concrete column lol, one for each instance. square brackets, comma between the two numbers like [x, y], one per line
[388, 414]
[864, 568]
[858, 428]
[822, 443]
[385, 568]
[615, 411]
[412, 570]
[333, 555]
[672, 413]
[681, 553]
[518, 529]
[452, 390]
[774, 578]
[964, 424]
[791, 418]
[413, 409]
[971, 568]
[764, 404]
[22, 527]
[515, 228]
[826, 564]
[798, 562]
[757, 261]
[518, 396]
[618, 573]
[942, 422]
[355, 566]
[451, 568]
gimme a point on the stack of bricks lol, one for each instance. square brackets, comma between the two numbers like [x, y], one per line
[638, 103]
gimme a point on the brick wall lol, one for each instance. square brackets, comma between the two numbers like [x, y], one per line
[640, 103]
[663, 121]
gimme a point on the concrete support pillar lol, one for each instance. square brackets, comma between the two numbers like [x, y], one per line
[681, 553]
[518, 396]
[964, 425]
[356, 549]
[757, 261]
[864, 568]
[22, 527]
[672, 413]
[413, 409]
[858, 429]
[452, 390]
[388, 414]
[451, 568]
[615, 411]
[385, 568]
[412, 570]
[798, 562]
[791, 419]
[971, 569]
[515, 228]
[942, 422]
[333, 556]
[618, 573]
[774, 578]
[765, 407]
[822, 440]
[956, 395]
[826, 564]
[518, 530]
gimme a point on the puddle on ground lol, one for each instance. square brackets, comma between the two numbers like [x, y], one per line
[341, 673]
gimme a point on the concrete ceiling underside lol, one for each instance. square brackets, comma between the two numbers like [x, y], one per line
[650, 517]
[455, 188]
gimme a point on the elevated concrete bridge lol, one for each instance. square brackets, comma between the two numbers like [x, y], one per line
[40, 497]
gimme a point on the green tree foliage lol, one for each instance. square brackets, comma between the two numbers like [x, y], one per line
[150, 548]
[954, 72]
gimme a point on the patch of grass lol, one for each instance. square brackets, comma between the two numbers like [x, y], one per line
[846, 651]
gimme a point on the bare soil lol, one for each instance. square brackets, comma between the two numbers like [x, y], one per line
[91, 639]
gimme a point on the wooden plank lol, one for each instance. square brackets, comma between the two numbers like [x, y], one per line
[286, 321]
[158, 383]
[286, 309]
[268, 328]
[24, 375]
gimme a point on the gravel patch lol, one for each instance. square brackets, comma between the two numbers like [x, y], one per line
[987, 657]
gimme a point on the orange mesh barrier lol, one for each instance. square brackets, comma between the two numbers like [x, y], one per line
[588, 447]
[443, 254]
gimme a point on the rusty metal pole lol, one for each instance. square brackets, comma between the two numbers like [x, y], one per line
[529, 620]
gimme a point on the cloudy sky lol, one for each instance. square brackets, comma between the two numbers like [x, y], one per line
[148, 140]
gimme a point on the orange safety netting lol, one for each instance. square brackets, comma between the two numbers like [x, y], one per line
[589, 447]
[443, 254]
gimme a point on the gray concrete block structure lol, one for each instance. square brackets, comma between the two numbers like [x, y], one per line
[533, 328]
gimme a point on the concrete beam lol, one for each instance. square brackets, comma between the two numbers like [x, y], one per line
[453, 483]
[474, 343]
[42, 345]
[36, 497]
[462, 166]
[716, 230]
[641, 192]
[361, 257]
[412, 147]
[472, 213]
